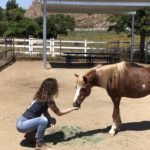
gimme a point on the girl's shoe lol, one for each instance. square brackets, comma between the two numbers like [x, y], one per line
[30, 136]
[42, 146]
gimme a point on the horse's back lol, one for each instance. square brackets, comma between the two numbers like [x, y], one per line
[138, 67]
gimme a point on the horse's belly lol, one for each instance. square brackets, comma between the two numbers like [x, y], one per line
[135, 95]
[136, 92]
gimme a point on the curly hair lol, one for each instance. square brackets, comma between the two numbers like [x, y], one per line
[47, 90]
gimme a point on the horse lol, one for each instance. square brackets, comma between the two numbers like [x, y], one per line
[121, 79]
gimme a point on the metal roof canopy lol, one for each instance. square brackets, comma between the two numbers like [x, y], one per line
[96, 6]
[91, 7]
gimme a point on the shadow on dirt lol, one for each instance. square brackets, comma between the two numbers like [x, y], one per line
[59, 136]
[77, 136]
[26, 143]
[74, 134]
[136, 126]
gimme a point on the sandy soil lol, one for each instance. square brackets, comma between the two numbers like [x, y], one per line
[18, 84]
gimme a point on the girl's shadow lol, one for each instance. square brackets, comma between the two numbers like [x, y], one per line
[26, 143]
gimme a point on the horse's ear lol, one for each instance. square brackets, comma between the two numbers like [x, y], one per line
[76, 75]
[85, 79]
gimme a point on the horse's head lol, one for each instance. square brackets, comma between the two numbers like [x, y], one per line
[83, 89]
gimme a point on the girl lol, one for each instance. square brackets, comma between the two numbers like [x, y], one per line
[32, 122]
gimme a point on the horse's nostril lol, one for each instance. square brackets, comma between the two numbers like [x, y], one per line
[76, 104]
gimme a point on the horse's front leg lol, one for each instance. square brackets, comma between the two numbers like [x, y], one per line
[116, 117]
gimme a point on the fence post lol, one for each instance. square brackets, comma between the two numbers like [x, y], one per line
[52, 47]
[85, 47]
[13, 43]
[118, 45]
[60, 47]
[6, 50]
[31, 45]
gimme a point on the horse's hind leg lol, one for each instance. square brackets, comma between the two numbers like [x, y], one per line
[116, 117]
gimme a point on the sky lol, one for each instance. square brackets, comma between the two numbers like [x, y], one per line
[22, 3]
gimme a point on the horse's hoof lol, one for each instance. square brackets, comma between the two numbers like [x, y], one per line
[112, 132]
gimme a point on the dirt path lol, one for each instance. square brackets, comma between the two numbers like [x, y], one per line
[18, 84]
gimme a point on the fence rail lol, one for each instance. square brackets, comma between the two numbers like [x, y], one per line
[33, 47]
[57, 47]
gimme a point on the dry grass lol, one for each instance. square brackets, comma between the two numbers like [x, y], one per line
[96, 36]
[73, 135]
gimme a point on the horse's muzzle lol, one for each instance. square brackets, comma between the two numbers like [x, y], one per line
[76, 104]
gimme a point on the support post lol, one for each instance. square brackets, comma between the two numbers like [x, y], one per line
[44, 33]
[132, 39]
[147, 51]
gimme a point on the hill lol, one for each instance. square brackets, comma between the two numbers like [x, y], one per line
[81, 20]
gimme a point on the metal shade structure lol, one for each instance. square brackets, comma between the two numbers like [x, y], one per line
[96, 6]
[91, 7]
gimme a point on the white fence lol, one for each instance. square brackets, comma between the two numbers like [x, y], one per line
[33, 46]
[57, 47]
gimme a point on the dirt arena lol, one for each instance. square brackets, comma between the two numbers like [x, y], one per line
[20, 81]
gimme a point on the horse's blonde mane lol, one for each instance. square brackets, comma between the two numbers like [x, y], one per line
[92, 69]
[111, 75]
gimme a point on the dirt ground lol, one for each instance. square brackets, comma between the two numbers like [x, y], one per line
[20, 81]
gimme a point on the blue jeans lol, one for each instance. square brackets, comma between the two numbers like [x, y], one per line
[26, 125]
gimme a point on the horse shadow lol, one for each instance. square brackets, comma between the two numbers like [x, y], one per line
[136, 126]
[59, 137]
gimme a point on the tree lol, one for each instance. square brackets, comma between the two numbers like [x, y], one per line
[11, 4]
[3, 22]
[63, 23]
[22, 29]
[56, 24]
[142, 26]
[1, 13]
[15, 14]
[18, 25]
[3, 27]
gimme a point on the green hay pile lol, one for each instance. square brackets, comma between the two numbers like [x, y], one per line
[73, 135]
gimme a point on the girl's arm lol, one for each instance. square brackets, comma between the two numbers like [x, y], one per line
[58, 112]
[51, 120]
[46, 114]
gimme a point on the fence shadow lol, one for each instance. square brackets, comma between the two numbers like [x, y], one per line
[7, 64]
[73, 65]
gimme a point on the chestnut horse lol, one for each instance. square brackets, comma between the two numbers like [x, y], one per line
[120, 80]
